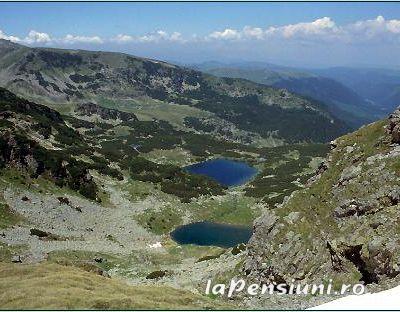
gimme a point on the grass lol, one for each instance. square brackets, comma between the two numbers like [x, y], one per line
[6, 251]
[136, 265]
[147, 109]
[285, 168]
[7, 217]
[176, 156]
[230, 208]
[161, 222]
[53, 286]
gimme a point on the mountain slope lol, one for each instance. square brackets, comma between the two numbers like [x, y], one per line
[378, 86]
[344, 225]
[21, 286]
[135, 84]
[341, 101]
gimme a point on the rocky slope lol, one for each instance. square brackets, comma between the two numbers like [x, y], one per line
[64, 78]
[345, 225]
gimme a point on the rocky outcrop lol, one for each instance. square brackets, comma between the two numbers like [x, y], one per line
[90, 109]
[394, 126]
[343, 225]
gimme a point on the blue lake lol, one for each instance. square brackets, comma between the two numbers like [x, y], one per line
[226, 172]
[212, 234]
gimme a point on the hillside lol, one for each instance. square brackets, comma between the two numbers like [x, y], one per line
[344, 225]
[151, 89]
[77, 289]
[378, 86]
[341, 101]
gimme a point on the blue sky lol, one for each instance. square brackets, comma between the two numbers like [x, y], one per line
[301, 34]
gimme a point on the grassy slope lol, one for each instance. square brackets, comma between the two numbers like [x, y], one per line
[52, 286]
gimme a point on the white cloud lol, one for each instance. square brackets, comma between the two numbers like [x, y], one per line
[320, 30]
[394, 26]
[11, 38]
[227, 34]
[122, 38]
[323, 29]
[176, 36]
[33, 37]
[253, 32]
[161, 35]
[321, 26]
[70, 39]
[37, 37]
[378, 28]
[154, 37]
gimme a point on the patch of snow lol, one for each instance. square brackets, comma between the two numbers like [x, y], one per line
[384, 300]
[155, 245]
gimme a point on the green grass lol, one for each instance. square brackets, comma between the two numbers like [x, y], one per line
[7, 216]
[160, 222]
[6, 251]
[284, 168]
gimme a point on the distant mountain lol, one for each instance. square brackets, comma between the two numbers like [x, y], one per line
[380, 87]
[65, 78]
[341, 101]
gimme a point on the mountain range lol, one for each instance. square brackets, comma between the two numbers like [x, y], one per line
[64, 78]
[356, 96]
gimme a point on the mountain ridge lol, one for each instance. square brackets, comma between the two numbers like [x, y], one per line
[341, 101]
[123, 81]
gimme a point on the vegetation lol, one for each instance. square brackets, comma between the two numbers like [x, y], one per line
[172, 179]
[246, 105]
[7, 217]
[283, 175]
[161, 222]
[37, 286]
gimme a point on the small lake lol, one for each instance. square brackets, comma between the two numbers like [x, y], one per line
[224, 171]
[212, 234]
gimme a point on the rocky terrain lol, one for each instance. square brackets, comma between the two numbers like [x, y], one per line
[344, 225]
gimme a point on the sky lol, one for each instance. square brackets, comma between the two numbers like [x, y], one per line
[292, 34]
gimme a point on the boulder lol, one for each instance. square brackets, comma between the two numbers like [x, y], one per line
[394, 126]
[16, 259]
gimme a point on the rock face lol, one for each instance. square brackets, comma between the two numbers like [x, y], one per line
[394, 126]
[344, 225]
[105, 113]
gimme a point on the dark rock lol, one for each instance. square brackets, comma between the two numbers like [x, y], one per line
[16, 259]
[354, 207]
[336, 261]
[98, 260]
[38, 233]
[63, 200]
[105, 113]
[156, 274]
